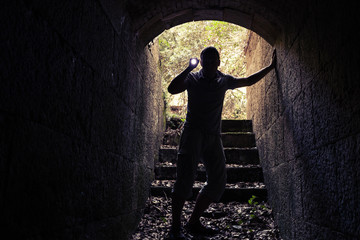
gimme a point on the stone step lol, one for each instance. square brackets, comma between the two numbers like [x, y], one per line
[241, 156]
[235, 133]
[236, 126]
[238, 139]
[249, 173]
[244, 174]
[231, 194]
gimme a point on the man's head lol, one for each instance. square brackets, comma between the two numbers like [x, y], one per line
[210, 59]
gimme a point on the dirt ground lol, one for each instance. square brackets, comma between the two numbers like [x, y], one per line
[252, 220]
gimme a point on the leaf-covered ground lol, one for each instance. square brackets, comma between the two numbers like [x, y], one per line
[234, 220]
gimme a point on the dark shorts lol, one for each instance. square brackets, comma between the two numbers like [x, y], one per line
[196, 146]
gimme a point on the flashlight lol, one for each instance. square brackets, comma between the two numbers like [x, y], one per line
[193, 61]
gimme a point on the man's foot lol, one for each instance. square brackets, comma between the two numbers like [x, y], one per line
[199, 229]
[175, 234]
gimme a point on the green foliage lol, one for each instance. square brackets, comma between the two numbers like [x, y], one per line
[177, 45]
[163, 219]
[254, 212]
[251, 201]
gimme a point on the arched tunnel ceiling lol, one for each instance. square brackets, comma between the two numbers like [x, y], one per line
[150, 18]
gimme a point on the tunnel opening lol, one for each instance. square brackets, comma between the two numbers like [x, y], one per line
[186, 54]
[241, 15]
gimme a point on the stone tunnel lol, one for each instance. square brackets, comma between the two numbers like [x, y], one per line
[81, 112]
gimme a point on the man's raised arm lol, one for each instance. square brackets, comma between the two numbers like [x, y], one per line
[254, 78]
[178, 84]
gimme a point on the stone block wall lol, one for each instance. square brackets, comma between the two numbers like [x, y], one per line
[306, 119]
[80, 121]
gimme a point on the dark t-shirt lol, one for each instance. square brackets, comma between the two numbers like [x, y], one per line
[205, 101]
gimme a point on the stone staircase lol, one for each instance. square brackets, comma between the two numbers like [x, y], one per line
[244, 174]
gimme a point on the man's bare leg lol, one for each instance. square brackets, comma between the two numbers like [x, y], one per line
[177, 205]
[194, 225]
[202, 203]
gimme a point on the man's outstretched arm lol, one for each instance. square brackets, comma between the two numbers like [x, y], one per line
[254, 78]
[178, 84]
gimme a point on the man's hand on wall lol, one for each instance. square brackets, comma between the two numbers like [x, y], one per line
[273, 60]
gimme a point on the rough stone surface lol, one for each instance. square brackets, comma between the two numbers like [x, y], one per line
[81, 112]
[80, 122]
[306, 120]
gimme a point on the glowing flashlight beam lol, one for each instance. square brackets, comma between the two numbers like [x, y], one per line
[193, 61]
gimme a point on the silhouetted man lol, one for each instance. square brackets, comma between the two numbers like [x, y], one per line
[201, 139]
